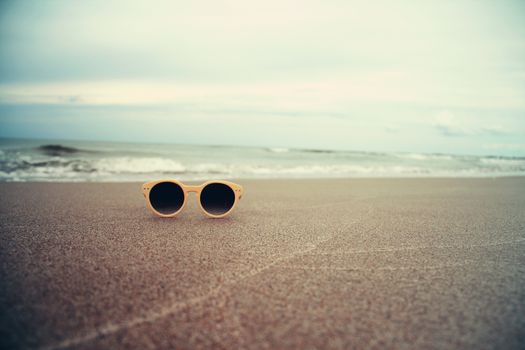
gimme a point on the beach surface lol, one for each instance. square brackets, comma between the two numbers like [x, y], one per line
[326, 264]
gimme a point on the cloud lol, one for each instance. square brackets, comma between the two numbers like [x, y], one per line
[330, 96]
[448, 124]
[232, 42]
[496, 130]
[70, 99]
[505, 146]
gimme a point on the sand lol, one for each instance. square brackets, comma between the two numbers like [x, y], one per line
[327, 264]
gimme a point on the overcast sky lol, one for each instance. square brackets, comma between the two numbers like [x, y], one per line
[415, 76]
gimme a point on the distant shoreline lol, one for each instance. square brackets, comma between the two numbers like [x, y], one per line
[45, 141]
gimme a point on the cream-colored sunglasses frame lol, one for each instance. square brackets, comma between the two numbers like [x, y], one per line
[237, 190]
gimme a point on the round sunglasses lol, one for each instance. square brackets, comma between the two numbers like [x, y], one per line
[216, 199]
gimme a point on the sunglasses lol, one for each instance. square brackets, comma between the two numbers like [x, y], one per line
[167, 198]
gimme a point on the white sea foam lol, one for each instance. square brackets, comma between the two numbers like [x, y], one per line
[504, 161]
[130, 165]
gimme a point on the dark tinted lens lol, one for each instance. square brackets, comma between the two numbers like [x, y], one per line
[217, 198]
[166, 197]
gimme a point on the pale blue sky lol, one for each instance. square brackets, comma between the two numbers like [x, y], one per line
[415, 76]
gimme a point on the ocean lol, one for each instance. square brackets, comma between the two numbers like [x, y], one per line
[53, 160]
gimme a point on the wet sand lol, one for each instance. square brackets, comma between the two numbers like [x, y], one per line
[378, 263]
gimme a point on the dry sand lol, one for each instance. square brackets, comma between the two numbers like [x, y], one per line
[386, 263]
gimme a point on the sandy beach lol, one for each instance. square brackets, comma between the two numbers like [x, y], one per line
[317, 264]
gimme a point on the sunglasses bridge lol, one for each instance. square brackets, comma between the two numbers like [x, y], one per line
[188, 188]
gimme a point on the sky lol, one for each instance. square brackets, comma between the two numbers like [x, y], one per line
[404, 76]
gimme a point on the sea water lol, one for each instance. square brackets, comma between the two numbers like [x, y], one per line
[52, 160]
